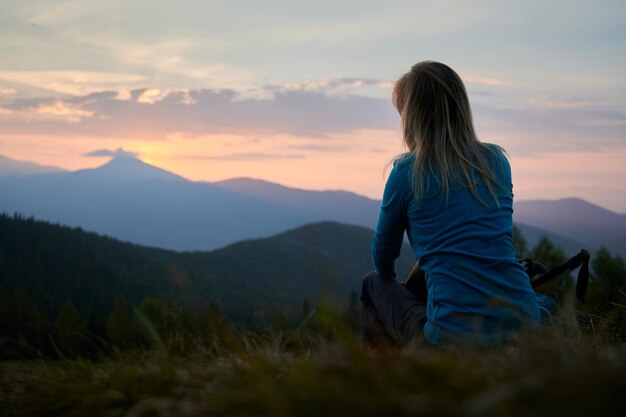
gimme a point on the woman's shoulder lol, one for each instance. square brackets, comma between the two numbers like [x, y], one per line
[494, 150]
[402, 168]
[498, 158]
[404, 161]
[399, 178]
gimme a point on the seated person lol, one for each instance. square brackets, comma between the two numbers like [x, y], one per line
[452, 195]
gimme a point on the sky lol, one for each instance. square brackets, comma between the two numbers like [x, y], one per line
[299, 92]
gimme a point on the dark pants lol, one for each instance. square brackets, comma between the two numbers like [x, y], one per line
[389, 312]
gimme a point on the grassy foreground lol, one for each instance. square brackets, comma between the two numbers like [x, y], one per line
[562, 370]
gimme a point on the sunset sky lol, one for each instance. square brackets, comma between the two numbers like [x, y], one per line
[299, 92]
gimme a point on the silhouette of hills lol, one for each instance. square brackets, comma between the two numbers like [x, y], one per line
[12, 167]
[126, 169]
[575, 219]
[134, 201]
[336, 205]
[321, 263]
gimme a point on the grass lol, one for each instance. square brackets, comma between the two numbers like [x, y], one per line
[561, 370]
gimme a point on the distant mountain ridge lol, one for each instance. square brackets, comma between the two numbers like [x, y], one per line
[13, 167]
[575, 219]
[135, 201]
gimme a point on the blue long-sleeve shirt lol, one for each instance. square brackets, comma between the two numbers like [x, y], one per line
[476, 286]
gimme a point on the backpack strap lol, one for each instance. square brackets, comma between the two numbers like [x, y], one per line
[579, 260]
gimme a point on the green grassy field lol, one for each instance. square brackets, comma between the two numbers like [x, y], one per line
[570, 369]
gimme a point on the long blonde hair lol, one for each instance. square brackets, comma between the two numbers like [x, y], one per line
[437, 127]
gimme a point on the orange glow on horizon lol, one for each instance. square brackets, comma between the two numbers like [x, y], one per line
[356, 162]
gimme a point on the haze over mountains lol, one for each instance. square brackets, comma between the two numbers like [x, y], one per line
[137, 202]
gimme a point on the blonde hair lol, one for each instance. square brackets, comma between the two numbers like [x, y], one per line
[437, 127]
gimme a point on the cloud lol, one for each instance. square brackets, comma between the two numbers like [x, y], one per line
[244, 156]
[313, 115]
[71, 82]
[488, 81]
[570, 102]
[536, 129]
[198, 112]
[320, 147]
[35, 110]
[117, 153]
[328, 85]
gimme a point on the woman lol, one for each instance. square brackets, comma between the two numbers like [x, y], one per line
[452, 195]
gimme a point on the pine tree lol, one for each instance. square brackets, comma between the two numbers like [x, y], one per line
[608, 286]
[519, 243]
[20, 318]
[551, 255]
[120, 328]
[68, 332]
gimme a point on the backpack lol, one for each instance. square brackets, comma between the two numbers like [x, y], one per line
[418, 286]
[579, 260]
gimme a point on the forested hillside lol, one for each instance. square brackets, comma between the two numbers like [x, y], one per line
[52, 264]
[57, 281]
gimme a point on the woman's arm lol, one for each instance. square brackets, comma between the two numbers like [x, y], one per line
[391, 225]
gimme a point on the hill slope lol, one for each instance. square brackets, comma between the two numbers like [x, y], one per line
[533, 234]
[574, 219]
[335, 205]
[11, 168]
[319, 262]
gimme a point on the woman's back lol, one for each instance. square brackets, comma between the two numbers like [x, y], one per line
[476, 286]
[453, 196]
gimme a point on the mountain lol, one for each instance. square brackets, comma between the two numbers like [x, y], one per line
[11, 167]
[533, 234]
[321, 262]
[575, 219]
[571, 223]
[137, 202]
[134, 201]
[336, 205]
[125, 169]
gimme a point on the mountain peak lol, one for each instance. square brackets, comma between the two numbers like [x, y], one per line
[567, 205]
[129, 168]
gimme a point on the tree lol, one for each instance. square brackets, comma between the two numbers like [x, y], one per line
[551, 255]
[120, 328]
[69, 335]
[154, 310]
[608, 282]
[519, 243]
[97, 334]
[20, 318]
